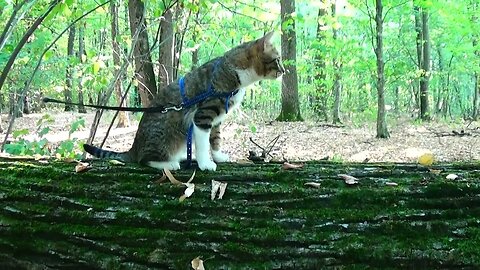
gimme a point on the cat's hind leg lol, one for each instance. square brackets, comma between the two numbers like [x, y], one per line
[217, 154]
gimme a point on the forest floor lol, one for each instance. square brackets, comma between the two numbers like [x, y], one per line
[302, 141]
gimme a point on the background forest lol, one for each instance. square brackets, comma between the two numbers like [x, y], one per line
[347, 61]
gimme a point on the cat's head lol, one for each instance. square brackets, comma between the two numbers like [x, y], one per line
[260, 56]
[269, 62]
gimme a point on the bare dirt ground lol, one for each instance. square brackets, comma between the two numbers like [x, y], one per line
[301, 141]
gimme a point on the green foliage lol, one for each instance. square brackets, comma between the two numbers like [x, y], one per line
[39, 145]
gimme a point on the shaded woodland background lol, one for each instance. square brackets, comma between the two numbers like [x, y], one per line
[352, 61]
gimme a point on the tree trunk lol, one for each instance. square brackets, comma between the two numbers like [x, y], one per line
[337, 81]
[122, 116]
[147, 85]
[290, 110]
[424, 103]
[423, 58]
[81, 56]
[165, 59]
[122, 218]
[319, 98]
[382, 131]
[67, 92]
[476, 91]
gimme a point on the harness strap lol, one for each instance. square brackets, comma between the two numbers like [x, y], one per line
[186, 103]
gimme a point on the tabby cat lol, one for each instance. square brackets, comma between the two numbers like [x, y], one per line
[160, 141]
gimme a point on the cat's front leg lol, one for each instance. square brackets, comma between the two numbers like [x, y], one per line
[202, 148]
[215, 139]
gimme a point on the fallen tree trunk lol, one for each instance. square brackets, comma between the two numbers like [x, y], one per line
[121, 217]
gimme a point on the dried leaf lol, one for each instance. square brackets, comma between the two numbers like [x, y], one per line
[197, 264]
[191, 177]
[161, 179]
[188, 191]
[289, 166]
[349, 180]
[219, 187]
[437, 172]
[116, 162]
[426, 159]
[171, 178]
[215, 187]
[312, 184]
[69, 160]
[452, 176]
[392, 184]
[82, 167]
[223, 187]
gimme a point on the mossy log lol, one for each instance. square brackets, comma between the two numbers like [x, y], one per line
[121, 217]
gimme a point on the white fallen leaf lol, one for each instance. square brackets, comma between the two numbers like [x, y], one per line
[197, 264]
[349, 180]
[191, 177]
[116, 162]
[452, 176]
[81, 167]
[392, 184]
[290, 166]
[215, 187]
[223, 187]
[312, 184]
[188, 192]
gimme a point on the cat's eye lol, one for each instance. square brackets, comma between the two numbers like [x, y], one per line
[271, 61]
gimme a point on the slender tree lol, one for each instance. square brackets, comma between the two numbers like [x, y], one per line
[143, 63]
[165, 59]
[382, 131]
[290, 110]
[320, 96]
[476, 91]
[122, 116]
[81, 56]
[337, 75]
[67, 92]
[423, 58]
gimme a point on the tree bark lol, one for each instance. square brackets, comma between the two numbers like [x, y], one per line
[147, 85]
[67, 92]
[122, 116]
[423, 58]
[320, 97]
[424, 82]
[337, 73]
[122, 218]
[165, 59]
[290, 110]
[382, 131]
[476, 91]
[81, 56]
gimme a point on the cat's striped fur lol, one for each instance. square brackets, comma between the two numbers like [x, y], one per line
[160, 141]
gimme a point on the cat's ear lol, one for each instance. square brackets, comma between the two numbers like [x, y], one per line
[265, 41]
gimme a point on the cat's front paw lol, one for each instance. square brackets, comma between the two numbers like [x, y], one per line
[207, 165]
[219, 156]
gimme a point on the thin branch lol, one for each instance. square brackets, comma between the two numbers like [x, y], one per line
[238, 13]
[392, 7]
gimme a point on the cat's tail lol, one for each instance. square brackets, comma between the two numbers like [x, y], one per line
[107, 154]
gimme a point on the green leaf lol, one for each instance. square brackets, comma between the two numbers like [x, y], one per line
[76, 125]
[43, 132]
[19, 133]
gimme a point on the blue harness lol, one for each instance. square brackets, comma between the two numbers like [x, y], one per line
[187, 103]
